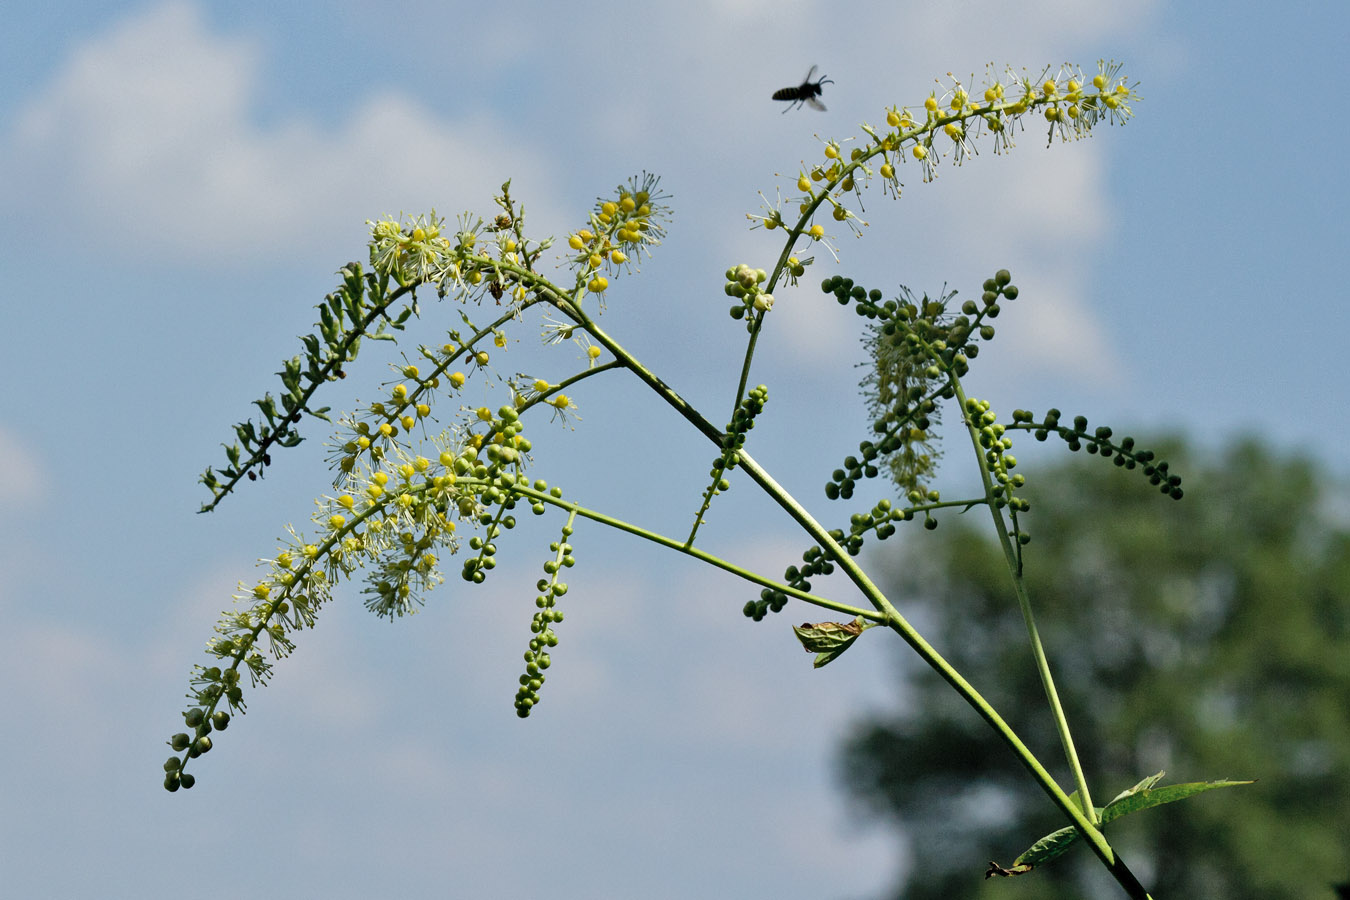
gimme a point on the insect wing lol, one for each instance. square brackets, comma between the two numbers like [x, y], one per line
[809, 72]
[814, 103]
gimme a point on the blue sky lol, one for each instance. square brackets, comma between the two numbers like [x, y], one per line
[182, 179]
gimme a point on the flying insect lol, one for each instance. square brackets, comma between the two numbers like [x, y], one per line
[806, 92]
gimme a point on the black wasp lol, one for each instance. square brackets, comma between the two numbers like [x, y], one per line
[806, 92]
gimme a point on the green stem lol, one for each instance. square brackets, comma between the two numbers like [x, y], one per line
[1024, 603]
[1088, 829]
[671, 543]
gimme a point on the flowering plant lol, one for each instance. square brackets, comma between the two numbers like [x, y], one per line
[411, 482]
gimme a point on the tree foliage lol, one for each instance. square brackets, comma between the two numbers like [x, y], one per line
[1207, 638]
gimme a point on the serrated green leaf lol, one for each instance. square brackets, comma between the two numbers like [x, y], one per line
[1146, 798]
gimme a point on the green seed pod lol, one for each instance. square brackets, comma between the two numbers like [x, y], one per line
[180, 742]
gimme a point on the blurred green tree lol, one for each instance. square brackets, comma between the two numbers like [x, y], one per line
[1210, 638]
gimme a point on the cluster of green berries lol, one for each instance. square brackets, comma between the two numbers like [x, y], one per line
[996, 444]
[741, 422]
[743, 286]
[881, 520]
[1099, 443]
[544, 638]
[842, 481]
[538, 506]
[814, 562]
[502, 446]
[191, 745]
[475, 568]
[1000, 286]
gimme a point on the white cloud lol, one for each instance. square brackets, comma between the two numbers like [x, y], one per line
[148, 139]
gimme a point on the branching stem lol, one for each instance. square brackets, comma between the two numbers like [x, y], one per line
[1024, 603]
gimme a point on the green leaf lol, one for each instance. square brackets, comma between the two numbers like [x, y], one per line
[829, 639]
[1138, 798]
[1142, 796]
[1047, 848]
